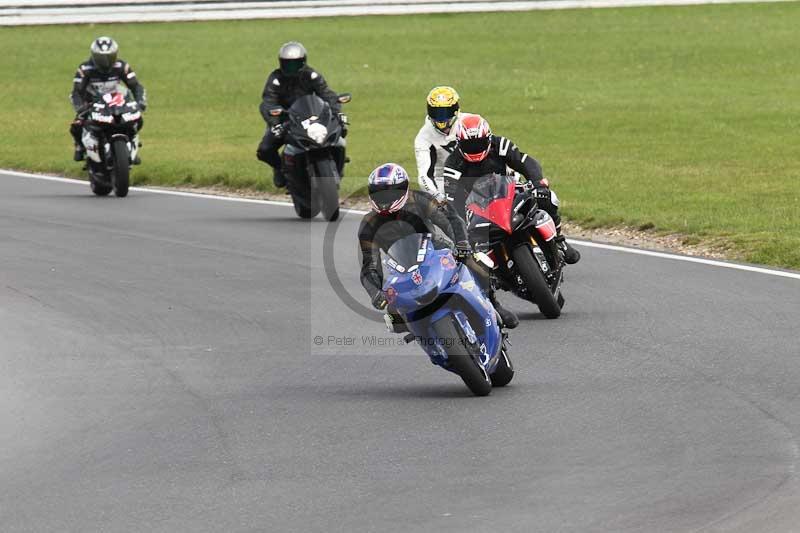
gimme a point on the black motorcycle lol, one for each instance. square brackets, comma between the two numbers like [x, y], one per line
[314, 157]
[110, 137]
[519, 238]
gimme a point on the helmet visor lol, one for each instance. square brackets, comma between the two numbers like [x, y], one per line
[443, 117]
[442, 114]
[292, 66]
[384, 196]
[104, 61]
[474, 146]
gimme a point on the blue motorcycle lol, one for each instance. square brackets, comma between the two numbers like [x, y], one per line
[446, 312]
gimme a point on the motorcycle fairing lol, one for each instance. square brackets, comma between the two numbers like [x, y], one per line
[499, 209]
[441, 283]
[312, 124]
[545, 225]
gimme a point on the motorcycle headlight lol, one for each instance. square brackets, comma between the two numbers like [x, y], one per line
[317, 132]
[428, 297]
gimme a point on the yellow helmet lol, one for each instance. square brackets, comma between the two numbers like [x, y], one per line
[443, 107]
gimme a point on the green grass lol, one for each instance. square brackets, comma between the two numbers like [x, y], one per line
[676, 119]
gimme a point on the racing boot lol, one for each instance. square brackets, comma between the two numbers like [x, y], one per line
[278, 178]
[571, 255]
[137, 160]
[485, 278]
[508, 318]
[79, 154]
[394, 322]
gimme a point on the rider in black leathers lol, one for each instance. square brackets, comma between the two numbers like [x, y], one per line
[100, 73]
[285, 85]
[479, 153]
[417, 212]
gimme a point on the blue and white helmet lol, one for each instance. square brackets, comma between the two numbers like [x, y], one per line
[388, 188]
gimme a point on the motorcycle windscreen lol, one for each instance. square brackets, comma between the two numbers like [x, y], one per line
[308, 106]
[492, 198]
[408, 252]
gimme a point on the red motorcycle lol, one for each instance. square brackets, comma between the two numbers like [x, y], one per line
[505, 223]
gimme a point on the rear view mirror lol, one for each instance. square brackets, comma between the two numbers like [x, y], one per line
[344, 98]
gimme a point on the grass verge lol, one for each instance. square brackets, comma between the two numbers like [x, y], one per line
[680, 119]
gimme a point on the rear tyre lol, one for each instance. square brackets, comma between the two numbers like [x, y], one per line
[302, 210]
[460, 358]
[534, 281]
[325, 188]
[504, 372]
[298, 186]
[121, 167]
[98, 188]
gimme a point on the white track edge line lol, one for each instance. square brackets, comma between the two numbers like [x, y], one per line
[588, 244]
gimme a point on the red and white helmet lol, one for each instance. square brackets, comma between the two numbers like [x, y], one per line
[473, 137]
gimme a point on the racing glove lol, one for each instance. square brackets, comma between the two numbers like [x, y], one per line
[379, 301]
[279, 129]
[463, 250]
[529, 185]
[82, 110]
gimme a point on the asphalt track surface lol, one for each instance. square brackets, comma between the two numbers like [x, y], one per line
[158, 372]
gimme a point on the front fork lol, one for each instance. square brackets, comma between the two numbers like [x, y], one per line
[545, 252]
[94, 152]
[543, 239]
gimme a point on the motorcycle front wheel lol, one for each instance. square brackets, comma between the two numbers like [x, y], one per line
[504, 372]
[460, 359]
[325, 188]
[122, 167]
[534, 281]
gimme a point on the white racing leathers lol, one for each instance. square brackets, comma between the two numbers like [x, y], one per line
[431, 148]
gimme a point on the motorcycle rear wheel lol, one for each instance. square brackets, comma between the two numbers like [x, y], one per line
[98, 188]
[460, 358]
[302, 210]
[301, 198]
[534, 280]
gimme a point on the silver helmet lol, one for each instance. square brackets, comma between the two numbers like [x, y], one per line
[292, 57]
[104, 53]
